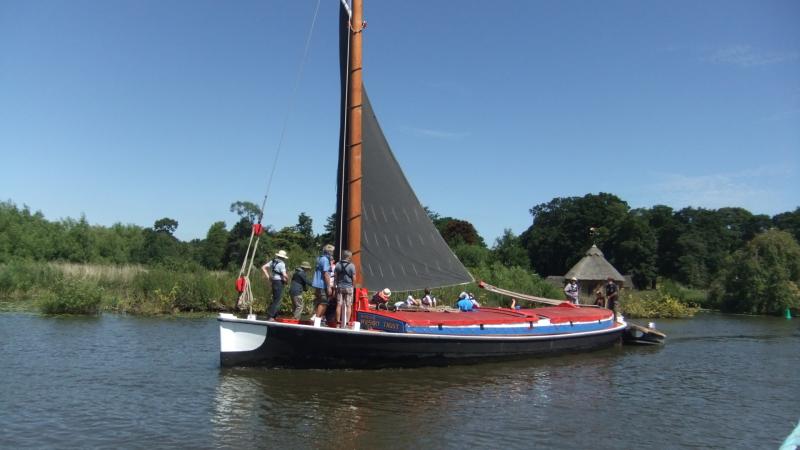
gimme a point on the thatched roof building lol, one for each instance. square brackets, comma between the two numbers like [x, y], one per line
[594, 267]
[592, 271]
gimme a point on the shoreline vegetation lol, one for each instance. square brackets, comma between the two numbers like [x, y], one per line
[680, 260]
[70, 288]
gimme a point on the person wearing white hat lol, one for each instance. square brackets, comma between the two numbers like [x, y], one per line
[381, 298]
[572, 291]
[275, 271]
[464, 303]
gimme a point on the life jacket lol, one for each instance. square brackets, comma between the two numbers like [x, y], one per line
[379, 298]
[343, 272]
[272, 265]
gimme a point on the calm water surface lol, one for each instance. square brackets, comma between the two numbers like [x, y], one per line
[115, 381]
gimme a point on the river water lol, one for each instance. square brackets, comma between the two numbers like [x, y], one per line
[116, 381]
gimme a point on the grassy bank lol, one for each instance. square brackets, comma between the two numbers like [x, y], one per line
[61, 288]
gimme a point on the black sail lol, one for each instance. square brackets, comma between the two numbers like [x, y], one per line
[401, 249]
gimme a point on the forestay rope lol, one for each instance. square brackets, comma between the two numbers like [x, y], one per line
[243, 281]
[517, 295]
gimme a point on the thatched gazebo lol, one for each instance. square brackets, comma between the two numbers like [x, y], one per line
[592, 271]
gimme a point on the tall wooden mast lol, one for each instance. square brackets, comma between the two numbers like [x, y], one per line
[353, 142]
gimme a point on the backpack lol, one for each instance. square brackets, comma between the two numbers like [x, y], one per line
[284, 276]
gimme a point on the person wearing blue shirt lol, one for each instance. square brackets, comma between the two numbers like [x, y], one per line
[323, 287]
[464, 302]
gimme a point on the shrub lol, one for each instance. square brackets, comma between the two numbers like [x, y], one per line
[654, 304]
[22, 277]
[160, 290]
[685, 295]
[72, 297]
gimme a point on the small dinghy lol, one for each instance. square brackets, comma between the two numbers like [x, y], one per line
[639, 335]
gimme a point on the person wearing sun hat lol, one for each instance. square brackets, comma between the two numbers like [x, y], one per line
[381, 298]
[572, 291]
[275, 271]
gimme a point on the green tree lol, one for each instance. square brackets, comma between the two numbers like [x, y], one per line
[559, 236]
[456, 231]
[213, 247]
[329, 234]
[668, 229]
[80, 241]
[634, 244]
[508, 251]
[160, 246]
[246, 210]
[761, 278]
[305, 229]
[472, 255]
[165, 225]
[708, 237]
[789, 221]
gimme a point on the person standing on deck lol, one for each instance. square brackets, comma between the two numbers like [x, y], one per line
[573, 291]
[345, 275]
[275, 271]
[612, 294]
[300, 283]
[322, 283]
[330, 313]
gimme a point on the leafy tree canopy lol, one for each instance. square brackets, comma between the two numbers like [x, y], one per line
[246, 210]
[165, 225]
[560, 235]
[763, 277]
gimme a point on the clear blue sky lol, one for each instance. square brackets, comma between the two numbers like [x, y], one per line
[130, 111]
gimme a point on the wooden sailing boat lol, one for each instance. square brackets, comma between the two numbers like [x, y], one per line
[395, 246]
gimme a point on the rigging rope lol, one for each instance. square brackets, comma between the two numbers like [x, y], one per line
[343, 181]
[292, 97]
[518, 296]
[243, 282]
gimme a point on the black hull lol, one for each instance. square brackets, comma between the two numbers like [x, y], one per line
[301, 346]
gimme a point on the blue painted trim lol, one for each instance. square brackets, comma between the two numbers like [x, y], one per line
[552, 329]
[378, 322]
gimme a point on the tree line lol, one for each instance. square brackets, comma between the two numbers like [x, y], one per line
[697, 247]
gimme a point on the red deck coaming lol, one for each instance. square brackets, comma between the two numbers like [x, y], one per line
[496, 316]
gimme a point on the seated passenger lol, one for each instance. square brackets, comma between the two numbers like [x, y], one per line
[464, 302]
[381, 298]
[599, 298]
[428, 300]
[471, 297]
[409, 303]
